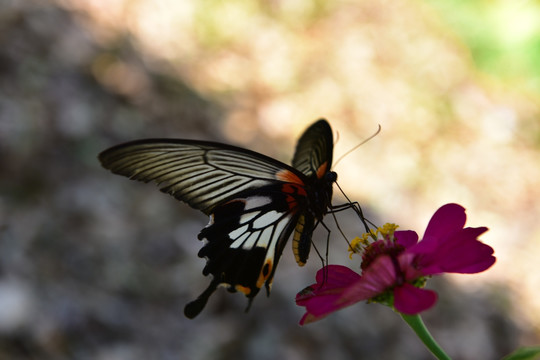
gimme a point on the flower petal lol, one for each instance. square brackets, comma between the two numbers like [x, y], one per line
[308, 318]
[331, 279]
[323, 305]
[406, 238]
[323, 298]
[376, 279]
[460, 253]
[408, 265]
[411, 300]
[336, 276]
[447, 220]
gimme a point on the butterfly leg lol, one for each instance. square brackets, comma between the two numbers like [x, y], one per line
[356, 208]
[325, 260]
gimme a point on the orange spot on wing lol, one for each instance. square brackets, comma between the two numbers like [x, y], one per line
[243, 289]
[323, 169]
[289, 176]
[265, 273]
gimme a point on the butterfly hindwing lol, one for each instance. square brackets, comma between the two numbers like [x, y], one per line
[244, 242]
[254, 202]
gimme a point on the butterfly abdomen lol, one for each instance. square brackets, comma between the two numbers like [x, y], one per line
[301, 243]
[318, 201]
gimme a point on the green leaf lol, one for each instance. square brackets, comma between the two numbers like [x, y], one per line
[524, 353]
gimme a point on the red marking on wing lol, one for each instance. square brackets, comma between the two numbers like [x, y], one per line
[291, 201]
[293, 189]
[294, 186]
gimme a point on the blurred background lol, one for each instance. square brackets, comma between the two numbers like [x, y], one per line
[93, 266]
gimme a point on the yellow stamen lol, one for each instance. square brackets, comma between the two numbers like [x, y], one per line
[357, 244]
[387, 230]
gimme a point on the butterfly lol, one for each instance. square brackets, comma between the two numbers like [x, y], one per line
[254, 202]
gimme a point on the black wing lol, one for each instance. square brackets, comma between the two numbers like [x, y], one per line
[245, 239]
[313, 155]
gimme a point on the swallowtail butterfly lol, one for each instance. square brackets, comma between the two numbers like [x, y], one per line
[254, 202]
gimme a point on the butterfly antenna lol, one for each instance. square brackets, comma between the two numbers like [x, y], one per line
[336, 140]
[357, 146]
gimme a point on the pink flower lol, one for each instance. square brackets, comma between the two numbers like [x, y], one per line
[395, 268]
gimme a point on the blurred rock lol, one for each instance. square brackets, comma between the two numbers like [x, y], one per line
[17, 306]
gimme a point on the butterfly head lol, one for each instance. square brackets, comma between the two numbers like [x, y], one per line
[330, 177]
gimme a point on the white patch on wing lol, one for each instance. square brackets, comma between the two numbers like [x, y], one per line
[278, 229]
[210, 221]
[266, 237]
[247, 217]
[251, 241]
[281, 225]
[256, 201]
[238, 232]
[272, 225]
[266, 219]
[238, 242]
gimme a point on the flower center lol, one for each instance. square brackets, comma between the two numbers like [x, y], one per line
[378, 248]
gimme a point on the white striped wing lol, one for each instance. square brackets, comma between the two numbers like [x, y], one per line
[202, 174]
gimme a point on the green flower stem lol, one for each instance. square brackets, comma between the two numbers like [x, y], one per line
[416, 323]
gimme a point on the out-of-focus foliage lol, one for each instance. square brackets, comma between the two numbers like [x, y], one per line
[526, 353]
[503, 35]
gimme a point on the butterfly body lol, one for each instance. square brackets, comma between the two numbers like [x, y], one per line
[254, 202]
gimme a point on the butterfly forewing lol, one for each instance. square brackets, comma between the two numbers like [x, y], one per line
[202, 174]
